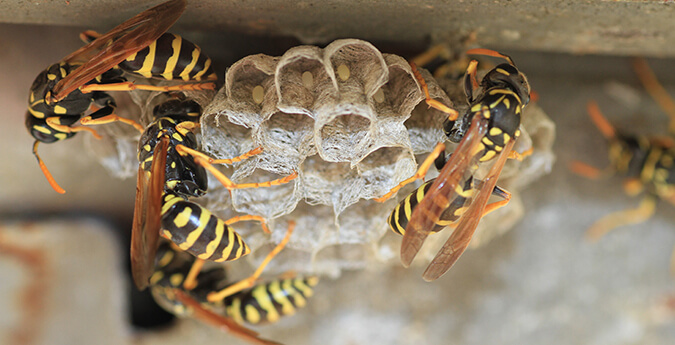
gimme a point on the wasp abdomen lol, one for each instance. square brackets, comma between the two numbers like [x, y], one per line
[197, 231]
[266, 303]
[170, 57]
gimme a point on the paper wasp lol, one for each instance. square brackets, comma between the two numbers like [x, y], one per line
[263, 303]
[455, 198]
[171, 170]
[62, 94]
[647, 162]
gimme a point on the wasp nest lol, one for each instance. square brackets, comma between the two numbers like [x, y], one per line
[351, 122]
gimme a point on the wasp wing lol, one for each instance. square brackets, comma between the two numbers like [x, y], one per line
[147, 216]
[439, 197]
[119, 43]
[461, 237]
[220, 321]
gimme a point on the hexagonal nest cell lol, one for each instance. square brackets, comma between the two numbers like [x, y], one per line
[353, 123]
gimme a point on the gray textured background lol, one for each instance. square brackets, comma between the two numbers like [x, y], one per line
[540, 283]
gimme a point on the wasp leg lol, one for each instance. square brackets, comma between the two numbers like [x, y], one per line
[190, 281]
[240, 158]
[53, 122]
[655, 89]
[106, 114]
[452, 113]
[600, 121]
[498, 191]
[129, 86]
[587, 171]
[520, 156]
[260, 219]
[626, 217]
[421, 172]
[250, 281]
[430, 55]
[205, 160]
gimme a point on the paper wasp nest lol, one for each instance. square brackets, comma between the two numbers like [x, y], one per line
[351, 121]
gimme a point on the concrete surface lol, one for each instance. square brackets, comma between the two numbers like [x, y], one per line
[540, 283]
[580, 26]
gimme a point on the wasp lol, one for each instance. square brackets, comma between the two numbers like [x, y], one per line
[80, 83]
[487, 131]
[261, 303]
[172, 170]
[646, 162]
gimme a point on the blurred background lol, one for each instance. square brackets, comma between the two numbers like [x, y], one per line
[63, 258]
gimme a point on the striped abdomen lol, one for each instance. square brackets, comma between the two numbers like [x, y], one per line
[170, 57]
[266, 303]
[197, 231]
[399, 217]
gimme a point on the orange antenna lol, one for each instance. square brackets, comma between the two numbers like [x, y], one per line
[600, 121]
[489, 52]
[45, 171]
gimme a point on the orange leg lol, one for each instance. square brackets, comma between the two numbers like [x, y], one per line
[600, 121]
[626, 217]
[260, 219]
[250, 281]
[421, 172]
[129, 86]
[452, 113]
[520, 156]
[205, 161]
[88, 121]
[586, 170]
[489, 52]
[53, 122]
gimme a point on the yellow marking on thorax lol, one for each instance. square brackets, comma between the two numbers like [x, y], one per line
[176, 279]
[495, 103]
[35, 113]
[495, 131]
[146, 69]
[60, 110]
[156, 277]
[51, 76]
[166, 259]
[465, 193]
[263, 299]
[42, 129]
[502, 71]
[186, 72]
[173, 59]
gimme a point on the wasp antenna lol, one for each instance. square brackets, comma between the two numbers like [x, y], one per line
[653, 87]
[45, 171]
[490, 52]
[600, 121]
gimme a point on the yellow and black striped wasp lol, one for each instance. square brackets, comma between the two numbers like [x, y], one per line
[171, 170]
[648, 163]
[79, 83]
[456, 198]
[263, 303]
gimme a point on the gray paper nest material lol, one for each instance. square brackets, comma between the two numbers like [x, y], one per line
[351, 122]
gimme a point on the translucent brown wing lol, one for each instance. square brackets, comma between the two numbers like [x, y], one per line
[119, 43]
[461, 237]
[220, 321]
[147, 216]
[439, 197]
